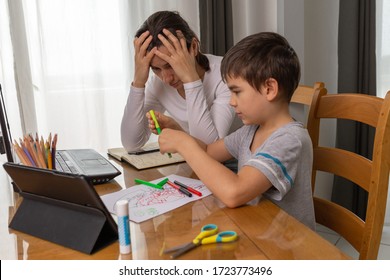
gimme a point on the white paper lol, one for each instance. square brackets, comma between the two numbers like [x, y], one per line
[147, 202]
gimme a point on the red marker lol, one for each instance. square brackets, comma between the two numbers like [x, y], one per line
[188, 188]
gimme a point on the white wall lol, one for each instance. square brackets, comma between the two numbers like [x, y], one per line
[309, 25]
[253, 16]
[321, 64]
[321, 35]
[383, 62]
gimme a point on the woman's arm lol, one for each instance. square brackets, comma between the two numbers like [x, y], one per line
[208, 123]
[135, 131]
[134, 126]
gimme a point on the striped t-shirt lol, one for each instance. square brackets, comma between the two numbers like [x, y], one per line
[285, 158]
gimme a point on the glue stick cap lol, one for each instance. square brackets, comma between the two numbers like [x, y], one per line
[122, 208]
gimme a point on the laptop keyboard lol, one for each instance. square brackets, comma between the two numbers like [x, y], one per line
[64, 164]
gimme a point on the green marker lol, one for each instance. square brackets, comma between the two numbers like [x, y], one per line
[157, 125]
[163, 182]
[151, 112]
[157, 186]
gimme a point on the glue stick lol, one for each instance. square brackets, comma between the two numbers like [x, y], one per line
[122, 212]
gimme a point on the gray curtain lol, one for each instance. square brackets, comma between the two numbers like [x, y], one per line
[216, 26]
[357, 74]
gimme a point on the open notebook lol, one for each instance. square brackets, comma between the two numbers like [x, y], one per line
[149, 156]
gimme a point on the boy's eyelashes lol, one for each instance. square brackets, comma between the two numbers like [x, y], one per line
[234, 90]
[235, 93]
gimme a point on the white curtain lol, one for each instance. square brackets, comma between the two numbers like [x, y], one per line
[73, 65]
[383, 62]
[7, 74]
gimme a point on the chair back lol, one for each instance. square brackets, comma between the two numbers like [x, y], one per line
[303, 95]
[370, 175]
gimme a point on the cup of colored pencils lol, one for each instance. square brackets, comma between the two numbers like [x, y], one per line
[36, 152]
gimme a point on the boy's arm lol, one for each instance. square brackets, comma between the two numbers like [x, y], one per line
[231, 188]
[218, 151]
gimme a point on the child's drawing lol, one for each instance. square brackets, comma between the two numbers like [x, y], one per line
[147, 202]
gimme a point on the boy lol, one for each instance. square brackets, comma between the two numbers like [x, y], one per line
[274, 152]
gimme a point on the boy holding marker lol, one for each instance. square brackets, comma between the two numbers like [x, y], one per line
[274, 151]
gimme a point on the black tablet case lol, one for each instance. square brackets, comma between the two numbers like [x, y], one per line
[62, 208]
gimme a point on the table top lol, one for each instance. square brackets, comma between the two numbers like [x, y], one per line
[265, 231]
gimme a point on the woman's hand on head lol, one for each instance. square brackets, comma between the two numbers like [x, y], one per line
[163, 120]
[181, 59]
[142, 59]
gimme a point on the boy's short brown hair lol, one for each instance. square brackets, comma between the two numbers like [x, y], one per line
[261, 56]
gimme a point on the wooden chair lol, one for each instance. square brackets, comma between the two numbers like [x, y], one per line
[304, 95]
[371, 175]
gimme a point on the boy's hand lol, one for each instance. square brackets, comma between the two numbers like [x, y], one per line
[171, 141]
[164, 122]
[142, 59]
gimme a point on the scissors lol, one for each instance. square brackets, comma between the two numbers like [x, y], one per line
[207, 235]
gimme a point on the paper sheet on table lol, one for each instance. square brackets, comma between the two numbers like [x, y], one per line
[147, 202]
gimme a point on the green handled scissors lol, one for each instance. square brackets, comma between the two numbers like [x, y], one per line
[208, 235]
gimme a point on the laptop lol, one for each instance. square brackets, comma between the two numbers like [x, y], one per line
[87, 162]
[62, 208]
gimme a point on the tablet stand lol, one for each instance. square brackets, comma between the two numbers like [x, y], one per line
[75, 226]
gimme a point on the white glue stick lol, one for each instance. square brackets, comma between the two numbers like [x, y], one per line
[122, 212]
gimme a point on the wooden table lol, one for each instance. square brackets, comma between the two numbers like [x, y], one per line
[265, 231]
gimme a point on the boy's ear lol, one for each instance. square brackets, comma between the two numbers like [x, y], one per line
[272, 88]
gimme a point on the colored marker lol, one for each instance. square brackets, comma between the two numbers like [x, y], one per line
[157, 125]
[163, 182]
[157, 186]
[181, 189]
[188, 188]
[151, 112]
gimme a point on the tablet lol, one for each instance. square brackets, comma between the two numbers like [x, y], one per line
[61, 207]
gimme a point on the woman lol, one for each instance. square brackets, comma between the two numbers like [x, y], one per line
[185, 83]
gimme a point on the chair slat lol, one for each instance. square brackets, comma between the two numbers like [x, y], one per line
[340, 220]
[359, 107]
[339, 162]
